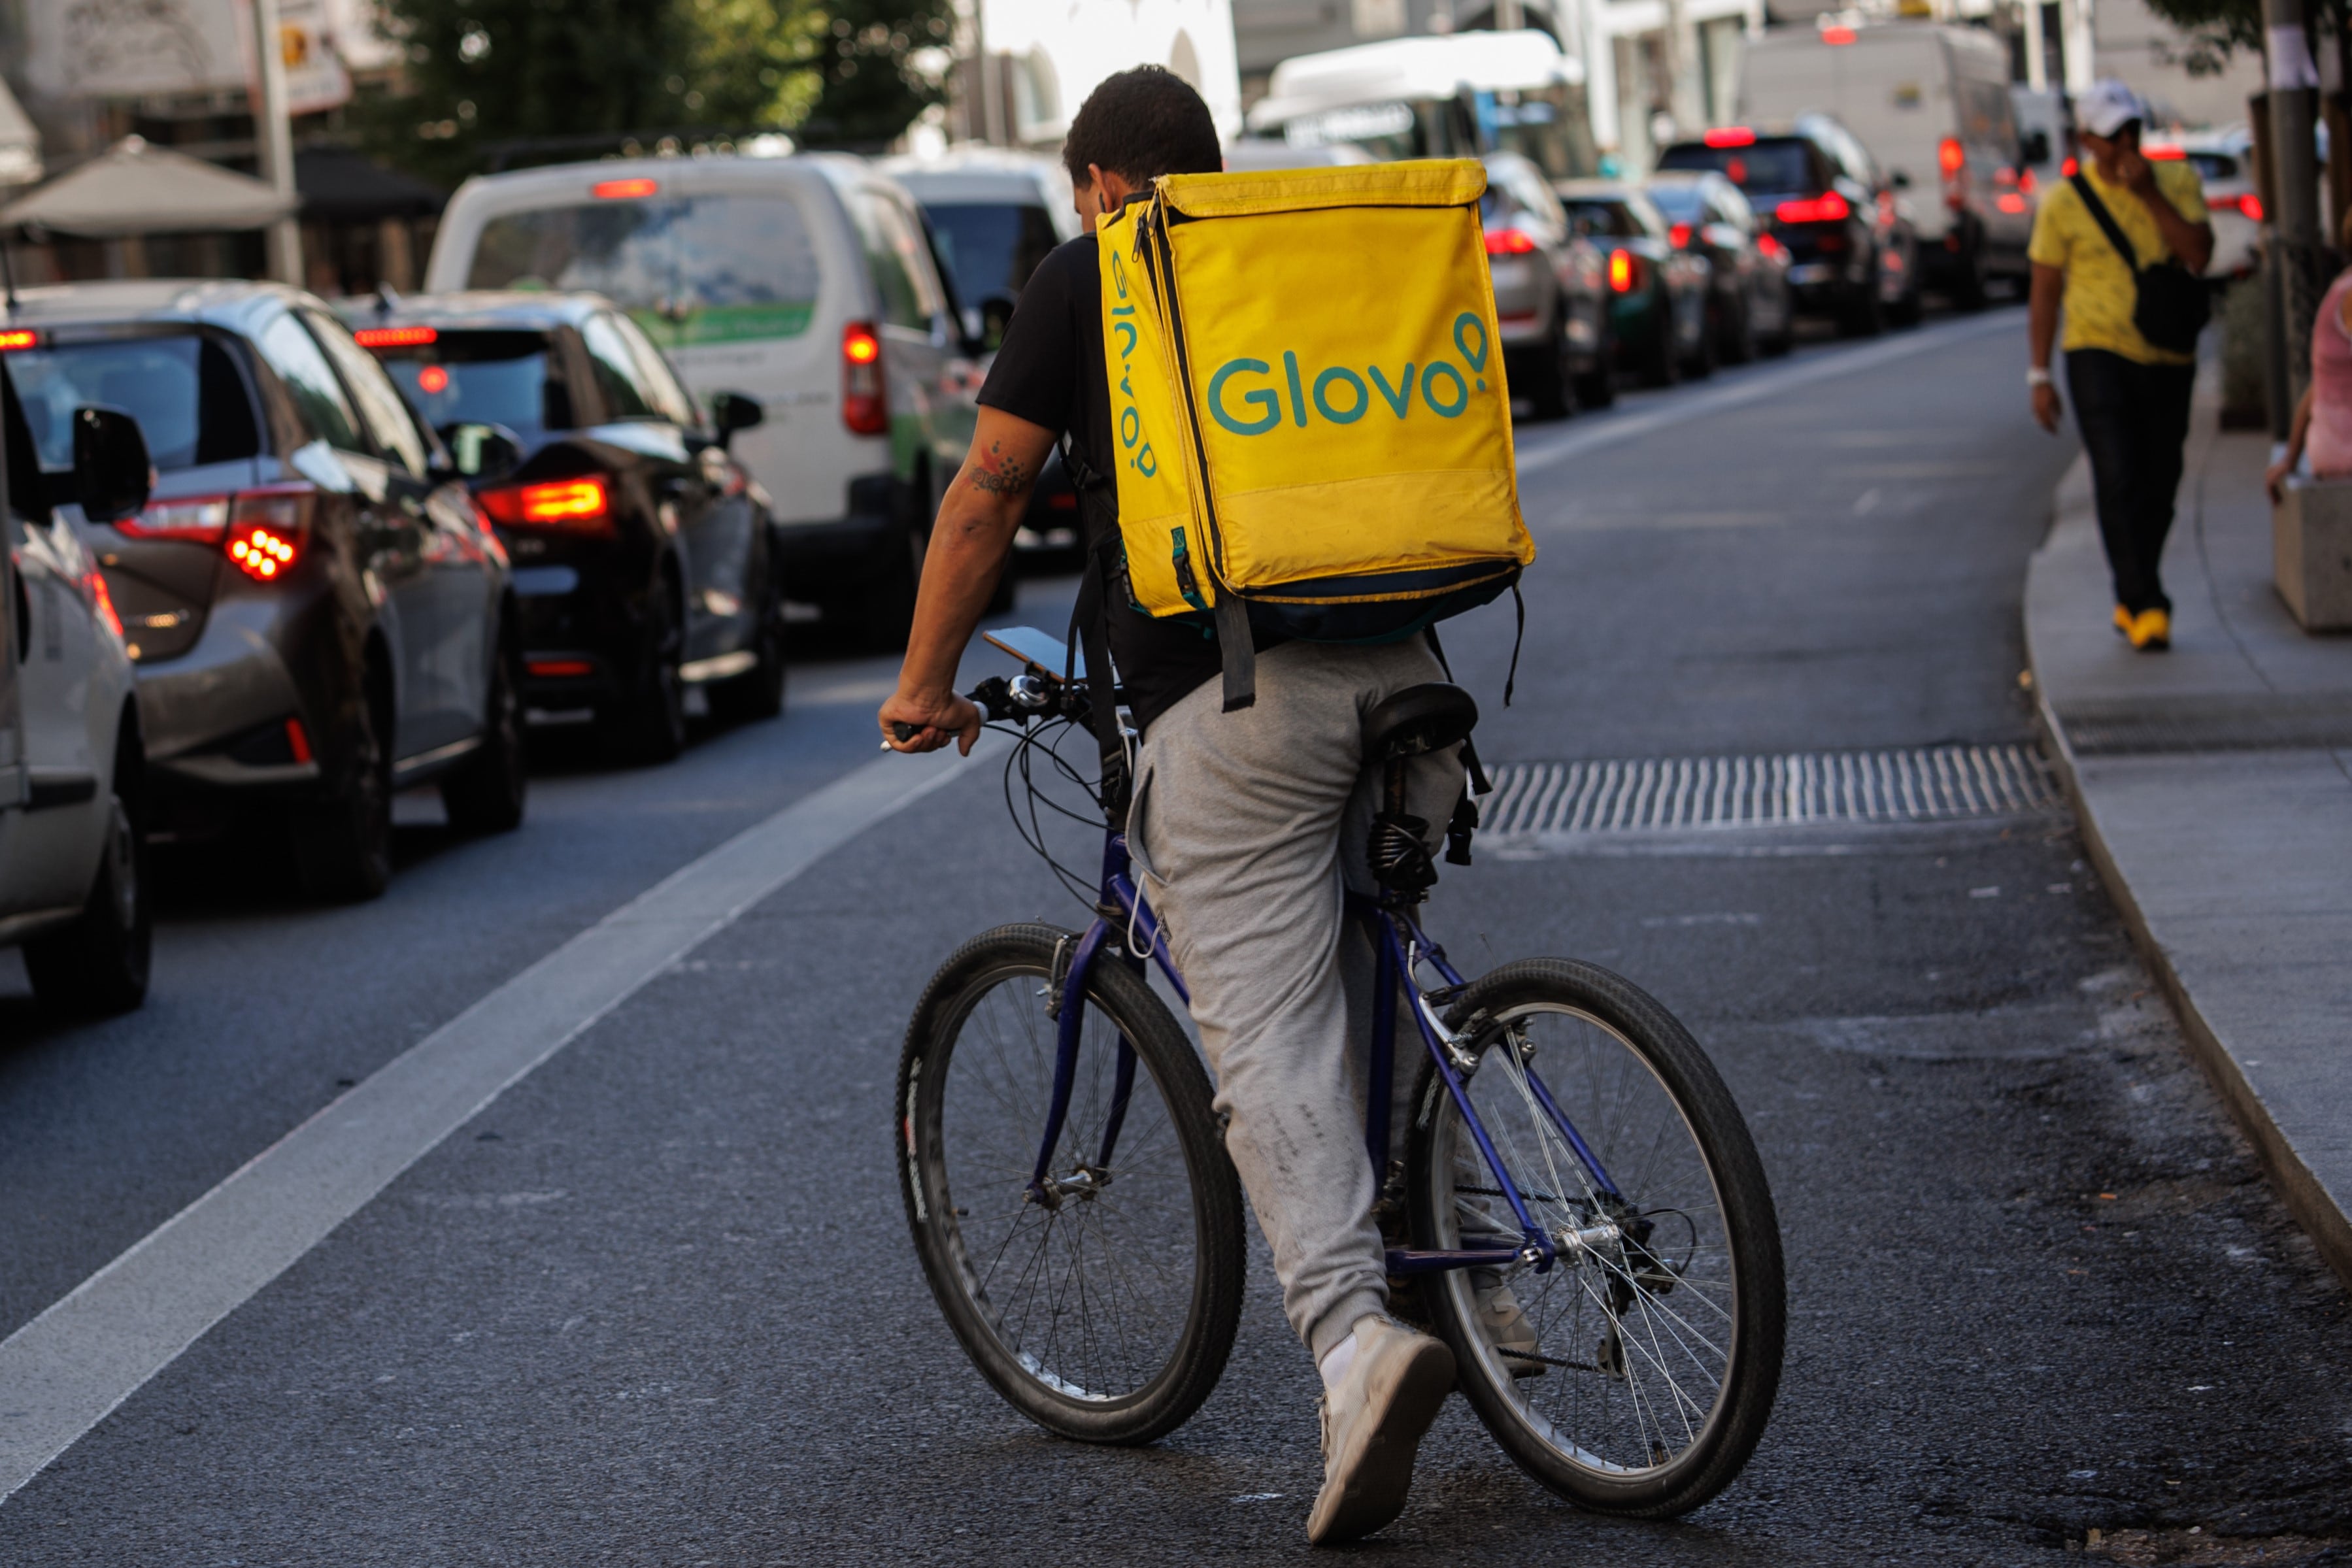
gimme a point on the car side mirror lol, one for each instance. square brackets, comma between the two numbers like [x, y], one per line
[1900, 179]
[2033, 147]
[482, 450]
[112, 475]
[995, 318]
[732, 412]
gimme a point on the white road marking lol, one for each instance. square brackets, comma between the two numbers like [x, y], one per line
[1609, 429]
[67, 1370]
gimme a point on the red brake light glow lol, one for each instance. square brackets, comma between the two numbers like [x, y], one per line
[1951, 156]
[1837, 35]
[18, 338]
[432, 379]
[557, 669]
[298, 740]
[1623, 272]
[198, 519]
[2163, 154]
[865, 404]
[2011, 202]
[2068, 170]
[1508, 242]
[103, 601]
[2252, 206]
[623, 190]
[395, 336]
[1766, 246]
[1730, 136]
[1679, 233]
[260, 553]
[1829, 207]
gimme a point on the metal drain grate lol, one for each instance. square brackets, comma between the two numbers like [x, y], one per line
[1661, 794]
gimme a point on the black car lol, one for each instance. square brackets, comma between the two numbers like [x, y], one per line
[1657, 291]
[317, 610]
[1852, 254]
[645, 559]
[1750, 309]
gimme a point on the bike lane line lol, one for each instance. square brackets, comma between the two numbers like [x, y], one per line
[64, 1372]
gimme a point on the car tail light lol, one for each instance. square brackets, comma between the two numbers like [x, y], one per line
[101, 600]
[1509, 242]
[864, 407]
[267, 529]
[18, 338]
[2249, 204]
[298, 740]
[2069, 169]
[1624, 271]
[1766, 246]
[623, 190]
[1730, 136]
[395, 336]
[2009, 201]
[1951, 156]
[197, 519]
[1680, 235]
[2026, 182]
[1829, 207]
[579, 505]
[557, 669]
[1837, 35]
[2164, 154]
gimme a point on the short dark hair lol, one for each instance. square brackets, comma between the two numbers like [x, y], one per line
[1141, 124]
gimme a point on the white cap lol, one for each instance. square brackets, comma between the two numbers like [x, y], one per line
[2107, 106]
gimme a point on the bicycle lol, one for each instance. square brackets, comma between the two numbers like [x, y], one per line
[1080, 1225]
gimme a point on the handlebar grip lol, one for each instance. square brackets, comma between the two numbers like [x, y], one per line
[905, 732]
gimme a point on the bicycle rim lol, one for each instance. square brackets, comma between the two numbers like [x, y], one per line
[1649, 1376]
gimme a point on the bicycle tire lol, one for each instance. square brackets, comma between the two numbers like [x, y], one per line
[1083, 1379]
[1576, 1412]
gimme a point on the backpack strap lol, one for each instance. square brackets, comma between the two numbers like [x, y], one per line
[1235, 650]
[2105, 220]
[1463, 824]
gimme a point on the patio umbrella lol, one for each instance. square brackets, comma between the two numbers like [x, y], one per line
[132, 188]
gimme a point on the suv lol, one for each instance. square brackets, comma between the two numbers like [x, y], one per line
[809, 282]
[1749, 309]
[73, 883]
[1852, 254]
[317, 611]
[644, 560]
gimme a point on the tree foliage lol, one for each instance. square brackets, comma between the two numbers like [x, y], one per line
[481, 73]
[2211, 31]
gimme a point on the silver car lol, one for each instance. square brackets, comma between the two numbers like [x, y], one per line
[1551, 292]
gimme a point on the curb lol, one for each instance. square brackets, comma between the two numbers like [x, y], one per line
[2306, 1197]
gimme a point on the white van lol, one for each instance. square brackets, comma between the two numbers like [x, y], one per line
[809, 282]
[1931, 103]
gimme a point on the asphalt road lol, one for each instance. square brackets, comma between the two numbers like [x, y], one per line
[655, 1303]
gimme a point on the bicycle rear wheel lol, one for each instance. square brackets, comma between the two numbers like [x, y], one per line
[1105, 1312]
[1642, 1368]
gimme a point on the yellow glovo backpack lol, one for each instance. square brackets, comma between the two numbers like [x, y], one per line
[1312, 426]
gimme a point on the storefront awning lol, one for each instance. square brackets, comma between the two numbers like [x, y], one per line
[133, 188]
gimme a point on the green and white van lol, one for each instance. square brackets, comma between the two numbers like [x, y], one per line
[808, 282]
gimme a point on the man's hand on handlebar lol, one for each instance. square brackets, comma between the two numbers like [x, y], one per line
[927, 723]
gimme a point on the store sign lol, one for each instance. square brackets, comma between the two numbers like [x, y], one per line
[134, 48]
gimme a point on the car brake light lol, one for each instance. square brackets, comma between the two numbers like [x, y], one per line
[623, 190]
[2009, 201]
[557, 669]
[1508, 242]
[395, 336]
[580, 505]
[2252, 206]
[18, 338]
[198, 519]
[1837, 35]
[1767, 246]
[864, 405]
[267, 528]
[1624, 271]
[2164, 154]
[1680, 235]
[1730, 136]
[2069, 169]
[1829, 207]
[101, 600]
[298, 740]
[1951, 156]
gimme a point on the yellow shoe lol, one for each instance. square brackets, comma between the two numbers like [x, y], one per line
[2151, 631]
[2123, 621]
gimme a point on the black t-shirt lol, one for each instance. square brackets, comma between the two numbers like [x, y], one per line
[1049, 370]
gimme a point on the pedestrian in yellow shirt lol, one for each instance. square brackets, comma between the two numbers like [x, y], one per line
[2131, 397]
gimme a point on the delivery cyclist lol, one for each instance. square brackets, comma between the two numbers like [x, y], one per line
[1242, 824]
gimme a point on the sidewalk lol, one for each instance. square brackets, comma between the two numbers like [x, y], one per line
[2214, 787]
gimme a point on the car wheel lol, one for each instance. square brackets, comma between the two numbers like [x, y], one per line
[342, 845]
[1550, 385]
[1785, 337]
[1739, 343]
[1661, 366]
[1864, 315]
[1704, 357]
[759, 692]
[486, 794]
[98, 965]
[1598, 387]
[649, 724]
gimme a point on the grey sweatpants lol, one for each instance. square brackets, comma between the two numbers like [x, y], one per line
[1245, 825]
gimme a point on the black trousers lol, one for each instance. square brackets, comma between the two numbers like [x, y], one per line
[2134, 424]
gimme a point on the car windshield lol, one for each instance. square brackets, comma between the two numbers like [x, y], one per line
[1609, 219]
[991, 247]
[1678, 202]
[690, 269]
[182, 388]
[484, 378]
[2212, 166]
[1776, 167]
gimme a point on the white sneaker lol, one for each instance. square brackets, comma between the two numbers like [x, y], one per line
[1372, 1425]
[1505, 1323]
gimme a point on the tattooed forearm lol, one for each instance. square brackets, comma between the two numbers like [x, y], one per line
[998, 475]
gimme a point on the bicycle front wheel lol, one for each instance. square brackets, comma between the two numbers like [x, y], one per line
[1104, 1308]
[1634, 1376]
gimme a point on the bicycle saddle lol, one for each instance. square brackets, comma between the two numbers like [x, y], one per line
[1418, 719]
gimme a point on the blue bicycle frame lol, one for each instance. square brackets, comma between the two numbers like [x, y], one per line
[1399, 946]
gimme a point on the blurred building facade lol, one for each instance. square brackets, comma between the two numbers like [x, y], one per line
[1026, 65]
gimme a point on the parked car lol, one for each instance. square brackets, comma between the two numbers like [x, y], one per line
[806, 282]
[73, 804]
[1749, 305]
[1930, 104]
[645, 557]
[1552, 303]
[1658, 315]
[2225, 159]
[2046, 135]
[994, 217]
[1853, 253]
[317, 611]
